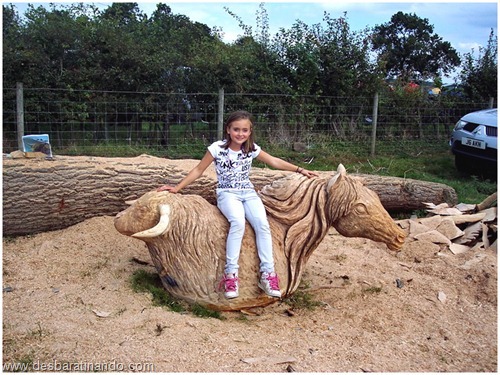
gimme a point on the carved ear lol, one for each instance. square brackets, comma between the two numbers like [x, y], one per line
[341, 172]
[341, 169]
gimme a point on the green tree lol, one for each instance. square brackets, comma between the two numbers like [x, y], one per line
[43, 49]
[331, 60]
[14, 56]
[408, 49]
[177, 49]
[251, 64]
[479, 75]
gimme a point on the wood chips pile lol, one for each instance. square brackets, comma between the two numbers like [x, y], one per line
[461, 228]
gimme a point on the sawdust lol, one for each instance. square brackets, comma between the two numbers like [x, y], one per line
[68, 305]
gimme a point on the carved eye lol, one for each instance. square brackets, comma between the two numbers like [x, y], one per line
[361, 209]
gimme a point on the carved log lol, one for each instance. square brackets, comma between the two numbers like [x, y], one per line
[43, 195]
[189, 254]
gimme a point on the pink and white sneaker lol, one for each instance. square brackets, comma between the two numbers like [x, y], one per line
[269, 283]
[230, 281]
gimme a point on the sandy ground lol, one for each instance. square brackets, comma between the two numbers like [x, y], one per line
[441, 318]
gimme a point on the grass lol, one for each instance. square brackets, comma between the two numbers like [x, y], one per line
[142, 281]
[301, 298]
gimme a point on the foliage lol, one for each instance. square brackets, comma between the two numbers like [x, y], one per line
[409, 50]
[480, 75]
[78, 46]
[331, 61]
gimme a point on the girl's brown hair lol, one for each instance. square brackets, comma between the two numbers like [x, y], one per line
[249, 145]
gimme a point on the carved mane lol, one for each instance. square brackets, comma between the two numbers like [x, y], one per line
[299, 205]
[308, 208]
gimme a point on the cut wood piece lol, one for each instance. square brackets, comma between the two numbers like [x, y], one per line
[484, 236]
[462, 219]
[431, 222]
[488, 202]
[493, 246]
[417, 228]
[433, 236]
[471, 233]
[459, 249]
[445, 211]
[466, 208]
[433, 206]
[449, 229]
[490, 214]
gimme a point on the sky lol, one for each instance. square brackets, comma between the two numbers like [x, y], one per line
[465, 24]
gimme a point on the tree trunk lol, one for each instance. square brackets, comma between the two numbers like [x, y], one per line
[42, 195]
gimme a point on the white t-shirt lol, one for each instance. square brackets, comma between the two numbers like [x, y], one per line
[232, 167]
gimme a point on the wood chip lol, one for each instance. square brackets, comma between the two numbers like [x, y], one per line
[485, 238]
[462, 219]
[433, 236]
[449, 211]
[249, 312]
[268, 360]
[471, 233]
[493, 246]
[434, 206]
[458, 249]
[463, 207]
[448, 229]
[101, 314]
[417, 228]
[431, 222]
[140, 261]
[490, 214]
[441, 297]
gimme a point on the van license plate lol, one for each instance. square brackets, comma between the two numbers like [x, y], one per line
[474, 143]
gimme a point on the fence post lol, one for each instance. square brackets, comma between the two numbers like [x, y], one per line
[374, 123]
[491, 102]
[20, 114]
[220, 119]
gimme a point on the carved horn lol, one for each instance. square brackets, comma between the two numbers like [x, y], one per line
[340, 172]
[159, 228]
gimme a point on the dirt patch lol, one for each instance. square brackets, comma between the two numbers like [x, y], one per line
[421, 310]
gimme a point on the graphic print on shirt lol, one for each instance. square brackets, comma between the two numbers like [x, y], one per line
[232, 167]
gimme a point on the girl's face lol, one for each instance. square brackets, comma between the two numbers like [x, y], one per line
[239, 131]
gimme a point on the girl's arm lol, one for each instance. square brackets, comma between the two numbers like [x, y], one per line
[191, 176]
[278, 163]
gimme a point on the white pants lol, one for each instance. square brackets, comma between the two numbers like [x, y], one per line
[238, 205]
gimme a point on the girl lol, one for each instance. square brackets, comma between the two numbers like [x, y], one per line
[237, 199]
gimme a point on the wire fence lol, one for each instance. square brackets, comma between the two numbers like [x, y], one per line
[183, 124]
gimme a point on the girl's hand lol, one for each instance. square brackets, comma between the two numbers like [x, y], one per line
[171, 189]
[307, 173]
